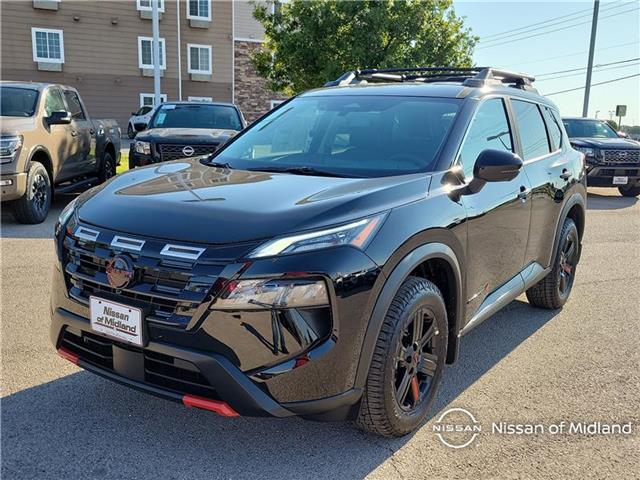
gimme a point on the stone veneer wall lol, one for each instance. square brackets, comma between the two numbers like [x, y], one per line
[251, 93]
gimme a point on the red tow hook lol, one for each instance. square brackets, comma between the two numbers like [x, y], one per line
[67, 355]
[221, 408]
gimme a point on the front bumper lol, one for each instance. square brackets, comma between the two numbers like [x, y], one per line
[16, 188]
[602, 176]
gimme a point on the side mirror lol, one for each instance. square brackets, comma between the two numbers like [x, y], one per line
[140, 126]
[60, 117]
[497, 166]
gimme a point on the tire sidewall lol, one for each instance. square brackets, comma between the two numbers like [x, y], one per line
[107, 161]
[35, 170]
[569, 228]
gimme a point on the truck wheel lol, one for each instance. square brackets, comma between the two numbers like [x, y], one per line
[554, 289]
[407, 363]
[629, 190]
[131, 133]
[108, 168]
[34, 205]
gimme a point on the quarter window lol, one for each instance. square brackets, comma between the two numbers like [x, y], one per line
[199, 58]
[48, 45]
[533, 134]
[145, 52]
[74, 105]
[489, 129]
[199, 9]
[53, 102]
[555, 134]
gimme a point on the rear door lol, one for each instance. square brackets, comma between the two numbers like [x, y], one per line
[550, 171]
[498, 215]
[59, 141]
[83, 136]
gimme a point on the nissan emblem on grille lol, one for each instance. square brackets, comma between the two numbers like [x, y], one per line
[188, 151]
[120, 271]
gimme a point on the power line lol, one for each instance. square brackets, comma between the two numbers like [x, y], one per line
[595, 71]
[527, 30]
[578, 53]
[593, 85]
[555, 30]
[584, 68]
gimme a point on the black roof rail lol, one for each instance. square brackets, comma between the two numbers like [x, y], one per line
[467, 76]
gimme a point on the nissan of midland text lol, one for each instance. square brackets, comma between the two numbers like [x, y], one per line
[326, 261]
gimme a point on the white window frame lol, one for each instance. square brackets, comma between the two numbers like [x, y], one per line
[200, 99]
[197, 17]
[163, 64]
[192, 70]
[34, 46]
[143, 8]
[163, 98]
[275, 103]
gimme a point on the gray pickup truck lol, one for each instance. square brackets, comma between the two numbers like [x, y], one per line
[48, 143]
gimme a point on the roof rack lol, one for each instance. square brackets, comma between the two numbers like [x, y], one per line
[468, 77]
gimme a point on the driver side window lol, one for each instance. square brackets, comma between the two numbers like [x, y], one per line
[489, 129]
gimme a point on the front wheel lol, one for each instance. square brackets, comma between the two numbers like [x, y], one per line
[408, 361]
[554, 289]
[629, 190]
[34, 205]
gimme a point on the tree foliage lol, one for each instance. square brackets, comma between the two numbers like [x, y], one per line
[309, 42]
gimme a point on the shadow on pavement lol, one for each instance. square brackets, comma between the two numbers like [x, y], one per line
[615, 201]
[12, 229]
[82, 426]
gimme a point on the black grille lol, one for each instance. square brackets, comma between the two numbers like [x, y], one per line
[621, 157]
[169, 291]
[160, 370]
[170, 151]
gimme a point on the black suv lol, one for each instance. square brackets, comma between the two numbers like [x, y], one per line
[326, 261]
[611, 161]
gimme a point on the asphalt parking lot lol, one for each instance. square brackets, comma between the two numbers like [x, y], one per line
[522, 365]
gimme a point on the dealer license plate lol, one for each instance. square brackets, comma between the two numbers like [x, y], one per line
[116, 320]
[620, 180]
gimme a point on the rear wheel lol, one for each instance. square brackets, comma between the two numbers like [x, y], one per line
[408, 361]
[108, 168]
[34, 205]
[629, 190]
[554, 289]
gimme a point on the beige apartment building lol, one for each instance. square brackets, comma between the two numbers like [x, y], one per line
[103, 48]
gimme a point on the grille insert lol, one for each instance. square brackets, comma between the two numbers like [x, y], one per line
[169, 151]
[620, 157]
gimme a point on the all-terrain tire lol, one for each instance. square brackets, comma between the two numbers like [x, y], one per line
[107, 168]
[34, 205]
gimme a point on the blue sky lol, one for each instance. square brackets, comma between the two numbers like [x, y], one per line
[618, 39]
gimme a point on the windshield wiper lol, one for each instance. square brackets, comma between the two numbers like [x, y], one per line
[226, 165]
[297, 171]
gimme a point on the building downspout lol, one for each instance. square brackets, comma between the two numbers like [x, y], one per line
[233, 52]
[179, 52]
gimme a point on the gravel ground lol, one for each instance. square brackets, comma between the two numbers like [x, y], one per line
[521, 366]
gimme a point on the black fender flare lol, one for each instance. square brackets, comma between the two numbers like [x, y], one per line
[401, 271]
[41, 149]
[575, 199]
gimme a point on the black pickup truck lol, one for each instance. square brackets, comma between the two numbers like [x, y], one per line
[184, 129]
[612, 161]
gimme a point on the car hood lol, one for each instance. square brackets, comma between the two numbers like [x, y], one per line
[16, 125]
[191, 202]
[186, 135]
[605, 143]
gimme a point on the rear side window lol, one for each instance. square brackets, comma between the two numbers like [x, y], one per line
[74, 105]
[53, 102]
[555, 134]
[533, 134]
[489, 129]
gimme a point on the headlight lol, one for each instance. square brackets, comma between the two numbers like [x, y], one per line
[67, 212]
[9, 148]
[356, 234]
[267, 294]
[143, 147]
[589, 152]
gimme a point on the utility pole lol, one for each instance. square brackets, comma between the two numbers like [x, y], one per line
[594, 27]
[155, 50]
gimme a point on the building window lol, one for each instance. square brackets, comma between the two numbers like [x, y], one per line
[48, 45]
[275, 103]
[199, 9]
[199, 60]
[145, 53]
[146, 5]
[147, 99]
[200, 99]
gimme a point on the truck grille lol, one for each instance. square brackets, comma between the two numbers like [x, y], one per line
[620, 157]
[174, 151]
[171, 290]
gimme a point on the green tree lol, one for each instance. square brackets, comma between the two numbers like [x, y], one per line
[309, 42]
[613, 124]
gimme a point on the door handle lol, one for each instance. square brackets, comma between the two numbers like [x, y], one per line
[565, 175]
[524, 193]
[74, 133]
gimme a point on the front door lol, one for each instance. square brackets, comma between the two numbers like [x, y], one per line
[498, 215]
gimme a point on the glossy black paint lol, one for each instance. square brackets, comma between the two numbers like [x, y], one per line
[315, 360]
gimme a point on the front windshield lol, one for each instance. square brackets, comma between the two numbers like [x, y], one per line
[589, 129]
[18, 102]
[196, 116]
[359, 136]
